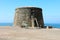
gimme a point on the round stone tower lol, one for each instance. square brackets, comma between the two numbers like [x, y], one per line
[28, 17]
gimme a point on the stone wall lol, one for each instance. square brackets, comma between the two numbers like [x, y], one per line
[23, 16]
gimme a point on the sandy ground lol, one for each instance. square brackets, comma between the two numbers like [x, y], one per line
[16, 33]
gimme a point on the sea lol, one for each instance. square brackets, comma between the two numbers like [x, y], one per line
[55, 25]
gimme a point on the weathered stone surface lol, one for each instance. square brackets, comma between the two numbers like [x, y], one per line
[23, 17]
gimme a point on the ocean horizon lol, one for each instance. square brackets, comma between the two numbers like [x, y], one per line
[54, 25]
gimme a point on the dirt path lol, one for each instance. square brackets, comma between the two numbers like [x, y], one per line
[15, 33]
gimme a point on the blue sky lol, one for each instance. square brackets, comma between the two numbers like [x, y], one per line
[51, 9]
